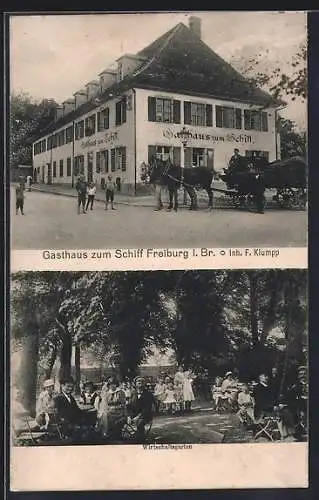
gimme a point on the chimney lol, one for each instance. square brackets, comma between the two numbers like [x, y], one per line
[107, 78]
[195, 25]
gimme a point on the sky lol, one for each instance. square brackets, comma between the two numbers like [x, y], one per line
[52, 56]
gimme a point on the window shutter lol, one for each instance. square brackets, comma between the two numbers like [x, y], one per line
[247, 123]
[152, 109]
[112, 160]
[187, 113]
[107, 118]
[209, 115]
[188, 158]
[151, 153]
[118, 113]
[106, 160]
[123, 159]
[124, 110]
[176, 111]
[176, 156]
[264, 121]
[98, 162]
[99, 128]
[219, 116]
[238, 118]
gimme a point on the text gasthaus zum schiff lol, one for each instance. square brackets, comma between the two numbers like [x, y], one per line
[152, 253]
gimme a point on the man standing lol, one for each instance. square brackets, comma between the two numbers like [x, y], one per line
[234, 161]
[109, 192]
[19, 199]
[81, 188]
[140, 409]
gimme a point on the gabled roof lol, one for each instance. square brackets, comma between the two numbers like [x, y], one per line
[179, 61]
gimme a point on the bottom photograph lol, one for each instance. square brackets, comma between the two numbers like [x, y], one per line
[158, 357]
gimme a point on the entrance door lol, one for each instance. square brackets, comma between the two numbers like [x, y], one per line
[210, 159]
[49, 180]
[35, 175]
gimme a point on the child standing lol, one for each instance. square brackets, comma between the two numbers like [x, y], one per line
[109, 192]
[91, 192]
[19, 199]
[170, 399]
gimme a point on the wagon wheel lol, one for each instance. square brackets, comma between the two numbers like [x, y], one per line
[285, 197]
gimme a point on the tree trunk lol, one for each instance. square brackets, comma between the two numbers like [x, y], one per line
[77, 365]
[52, 359]
[26, 377]
[65, 357]
[253, 295]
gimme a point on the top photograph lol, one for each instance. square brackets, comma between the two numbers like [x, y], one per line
[158, 130]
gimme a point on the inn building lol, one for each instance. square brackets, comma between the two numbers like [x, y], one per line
[175, 98]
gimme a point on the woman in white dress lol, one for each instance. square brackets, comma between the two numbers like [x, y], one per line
[188, 393]
[112, 411]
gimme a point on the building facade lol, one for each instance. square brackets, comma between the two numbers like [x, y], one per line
[138, 111]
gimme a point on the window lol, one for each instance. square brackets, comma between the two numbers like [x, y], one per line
[104, 161]
[120, 159]
[79, 130]
[258, 154]
[199, 158]
[198, 114]
[103, 119]
[54, 140]
[43, 146]
[163, 152]
[119, 72]
[227, 117]
[68, 167]
[61, 168]
[256, 120]
[164, 110]
[120, 112]
[69, 134]
[61, 138]
[49, 143]
[90, 125]
[54, 169]
[78, 165]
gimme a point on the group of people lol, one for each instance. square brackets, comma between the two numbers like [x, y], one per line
[267, 397]
[176, 393]
[108, 411]
[87, 191]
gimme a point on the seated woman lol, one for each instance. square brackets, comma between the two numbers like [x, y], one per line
[246, 405]
[112, 410]
[140, 410]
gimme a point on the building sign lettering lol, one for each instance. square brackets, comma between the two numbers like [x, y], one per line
[109, 137]
[231, 137]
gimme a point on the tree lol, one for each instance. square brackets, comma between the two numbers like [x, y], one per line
[292, 142]
[28, 117]
[279, 83]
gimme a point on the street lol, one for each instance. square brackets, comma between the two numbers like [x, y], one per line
[51, 222]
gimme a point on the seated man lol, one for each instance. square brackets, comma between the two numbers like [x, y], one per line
[263, 397]
[140, 410]
[68, 412]
[45, 405]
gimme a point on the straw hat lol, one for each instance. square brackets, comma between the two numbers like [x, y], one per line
[48, 383]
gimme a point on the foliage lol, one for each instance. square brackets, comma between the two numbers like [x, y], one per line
[27, 118]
